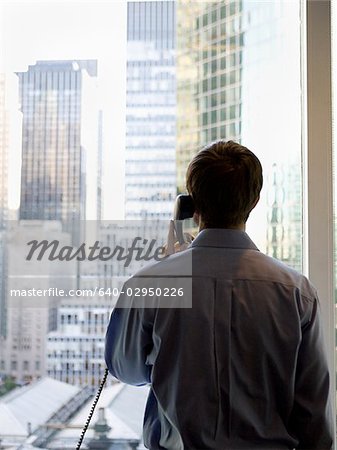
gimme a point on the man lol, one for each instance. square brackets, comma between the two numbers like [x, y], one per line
[245, 366]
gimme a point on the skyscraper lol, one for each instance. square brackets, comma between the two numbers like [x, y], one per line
[209, 67]
[284, 240]
[229, 56]
[53, 155]
[150, 110]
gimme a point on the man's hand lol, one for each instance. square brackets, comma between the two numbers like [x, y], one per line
[173, 245]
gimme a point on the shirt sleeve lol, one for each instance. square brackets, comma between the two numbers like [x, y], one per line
[129, 341]
[311, 418]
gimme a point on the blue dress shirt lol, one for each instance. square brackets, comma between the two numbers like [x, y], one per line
[243, 368]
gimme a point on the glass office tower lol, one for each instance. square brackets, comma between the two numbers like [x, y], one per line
[150, 110]
[53, 159]
[229, 56]
[210, 43]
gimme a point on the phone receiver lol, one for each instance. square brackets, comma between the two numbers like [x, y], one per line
[184, 207]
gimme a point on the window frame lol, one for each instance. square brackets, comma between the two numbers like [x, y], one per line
[317, 160]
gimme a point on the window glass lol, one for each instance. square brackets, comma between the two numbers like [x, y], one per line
[261, 102]
[102, 106]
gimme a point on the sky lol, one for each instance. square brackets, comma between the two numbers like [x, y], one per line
[47, 30]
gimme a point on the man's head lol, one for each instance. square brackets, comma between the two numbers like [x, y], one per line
[224, 180]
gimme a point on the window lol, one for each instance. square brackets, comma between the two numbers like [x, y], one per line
[168, 78]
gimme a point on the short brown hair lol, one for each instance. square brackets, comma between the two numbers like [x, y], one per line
[224, 180]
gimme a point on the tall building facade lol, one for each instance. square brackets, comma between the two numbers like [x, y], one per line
[150, 177]
[209, 68]
[75, 350]
[284, 217]
[53, 181]
[229, 56]
[32, 299]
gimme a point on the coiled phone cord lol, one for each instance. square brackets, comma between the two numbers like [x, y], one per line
[87, 423]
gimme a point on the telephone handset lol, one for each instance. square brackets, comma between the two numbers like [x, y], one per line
[184, 207]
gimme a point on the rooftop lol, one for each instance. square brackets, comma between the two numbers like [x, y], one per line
[25, 411]
[124, 410]
[32, 405]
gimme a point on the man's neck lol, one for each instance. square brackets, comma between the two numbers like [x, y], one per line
[240, 227]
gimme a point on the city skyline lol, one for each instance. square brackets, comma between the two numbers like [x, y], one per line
[107, 26]
[171, 76]
[154, 130]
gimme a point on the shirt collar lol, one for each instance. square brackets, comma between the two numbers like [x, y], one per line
[223, 237]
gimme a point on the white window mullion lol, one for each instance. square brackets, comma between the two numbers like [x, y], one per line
[318, 165]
